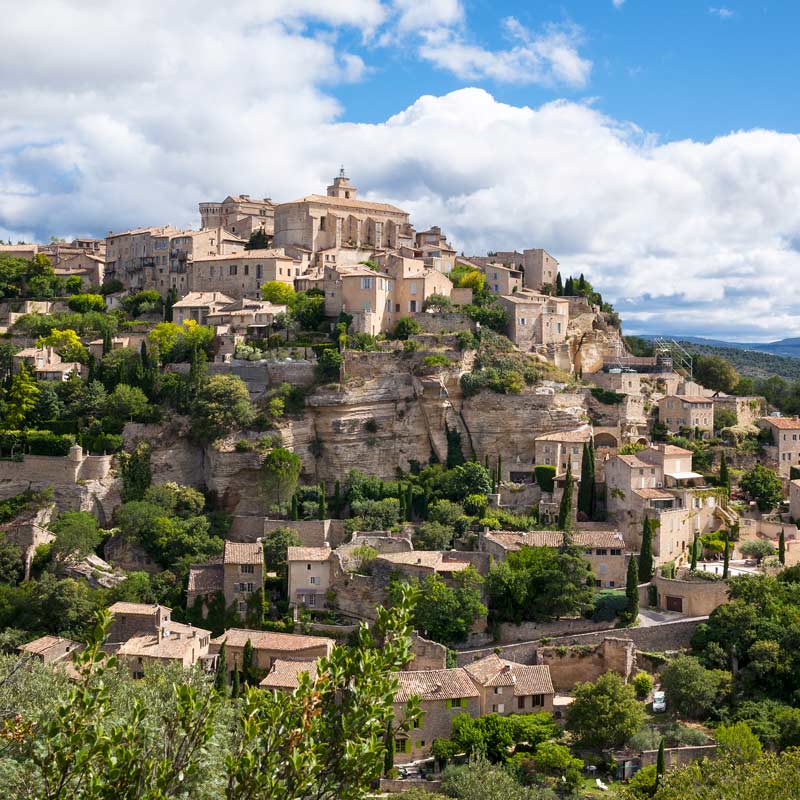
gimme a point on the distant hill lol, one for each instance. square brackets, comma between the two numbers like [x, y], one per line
[751, 359]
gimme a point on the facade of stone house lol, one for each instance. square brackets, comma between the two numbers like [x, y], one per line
[196, 306]
[89, 267]
[506, 687]
[309, 575]
[535, 319]
[562, 448]
[502, 280]
[748, 409]
[603, 550]
[540, 268]
[443, 694]
[786, 441]
[129, 619]
[177, 643]
[50, 649]
[239, 214]
[340, 217]
[269, 647]
[242, 275]
[679, 412]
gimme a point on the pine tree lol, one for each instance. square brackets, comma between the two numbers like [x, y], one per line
[632, 590]
[322, 508]
[782, 548]
[337, 499]
[661, 762]
[727, 556]
[221, 676]
[247, 663]
[586, 488]
[694, 554]
[236, 686]
[559, 285]
[646, 552]
[565, 509]
[724, 477]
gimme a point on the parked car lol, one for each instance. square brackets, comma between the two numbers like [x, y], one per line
[659, 702]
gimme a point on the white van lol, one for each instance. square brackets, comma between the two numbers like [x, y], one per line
[659, 702]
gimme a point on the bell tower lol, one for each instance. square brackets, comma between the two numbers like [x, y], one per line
[341, 187]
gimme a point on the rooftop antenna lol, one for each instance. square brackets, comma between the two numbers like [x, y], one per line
[341, 171]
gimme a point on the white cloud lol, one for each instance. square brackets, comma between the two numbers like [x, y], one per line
[414, 15]
[549, 59]
[684, 236]
[722, 13]
[618, 3]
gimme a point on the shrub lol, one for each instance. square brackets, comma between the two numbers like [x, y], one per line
[545, 477]
[329, 363]
[405, 327]
[642, 684]
[81, 303]
[606, 396]
[243, 446]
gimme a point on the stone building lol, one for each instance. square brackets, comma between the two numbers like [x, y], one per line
[89, 267]
[535, 319]
[693, 597]
[130, 253]
[45, 364]
[503, 280]
[658, 482]
[679, 412]
[603, 550]
[241, 215]
[242, 275]
[748, 409]
[339, 218]
[506, 687]
[284, 676]
[309, 575]
[239, 576]
[562, 448]
[50, 649]
[785, 433]
[197, 306]
[269, 647]
[443, 694]
[540, 268]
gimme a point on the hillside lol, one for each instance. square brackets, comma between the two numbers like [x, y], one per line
[752, 363]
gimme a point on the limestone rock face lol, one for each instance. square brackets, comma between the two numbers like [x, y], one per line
[174, 456]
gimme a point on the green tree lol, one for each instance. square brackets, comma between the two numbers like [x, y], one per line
[759, 549]
[693, 563]
[77, 535]
[20, 400]
[433, 536]
[586, 490]
[661, 763]
[322, 506]
[221, 675]
[276, 545]
[646, 552]
[724, 475]
[605, 713]
[126, 403]
[279, 474]
[135, 472]
[66, 343]
[405, 327]
[738, 743]
[762, 485]
[782, 547]
[565, 506]
[692, 689]
[277, 292]
[643, 685]
[259, 240]
[632, 590]
[236, 685]
[715, 372]
[221, 405]
[329, 364]
[81, 303]
[726, 558]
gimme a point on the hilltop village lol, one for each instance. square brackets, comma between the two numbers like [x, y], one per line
[244, 441]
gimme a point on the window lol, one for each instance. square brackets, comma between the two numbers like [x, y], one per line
[522, 320]
[456, 702]
[259, 270]
[412, 305]
[521, 702]
[397, 307]
[312, 599]
[416, 723]
[233, 269]
[615, 551]
[537, 700]
[402, 745]
[413, 287]
[499, 708]
[242, 606]
[602, 551]
[308, 566]
[246, 269]
[313, 580]
[247, 568]
[498, 690]
[598, 584]
[366, 283]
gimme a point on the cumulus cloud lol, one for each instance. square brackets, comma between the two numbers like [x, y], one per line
[722, 13]
[550, 58]
[684, 236]
[618, 3]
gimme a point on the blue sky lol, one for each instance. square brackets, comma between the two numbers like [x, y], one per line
[651, 144]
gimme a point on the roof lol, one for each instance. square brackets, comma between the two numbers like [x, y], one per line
[517, 539]
[434, 684]
[169, 647]
[673, 450]
[578, 435]
[784, 423]
[524, 298]
[430, 559]
[202, 299]
[633, 461]
[136, 608]
[267, 640]
[347, 202]
[285, 674]
[691, 398]
[308, 553]
[526, 679]
[206, 578]
[683, 476]
[243, 553]
[653, 494]
[41, 645]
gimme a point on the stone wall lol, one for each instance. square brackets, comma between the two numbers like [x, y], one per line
[446, 322]
[697, 597]
[678, 756]
[43, 471]
[519, 497]
[390, 786]
[426, 654]
[312, 532]
[571, 665]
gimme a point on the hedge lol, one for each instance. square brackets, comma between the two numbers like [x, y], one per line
[545, 476]
[103, 443]
[37, 443]
[606, 396]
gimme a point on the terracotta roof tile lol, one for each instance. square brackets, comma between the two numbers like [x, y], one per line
[136, 608]
[285, 674]
[784, 423]
[431, 559]
[44, 643]
[206, 578]
[267, 640]
[516, 539]
[577, 435]
[346, 202]
[526, 679]
[308, 553]
[243, 553]
[434, 684]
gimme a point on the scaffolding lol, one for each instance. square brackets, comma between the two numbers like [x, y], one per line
[668, 351]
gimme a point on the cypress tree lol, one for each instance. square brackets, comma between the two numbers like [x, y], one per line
[593, 484]
[486, 462]
[569, 287]
[247, 663]
[581, 284]
[236, 687]
[106, 341]
[565, 508]
[322, 507]
[410, 503]
[221, 676]
[727, 556]
[587, 482]
[782, 548]
[337, 499]
[724, 477]
[499, 469]
[694, 553]
[661, 762]
[295, 509]
[646, 552]
[559, 285]
[92, 367]
[632, 590]
[388, 758]
[402, 500]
